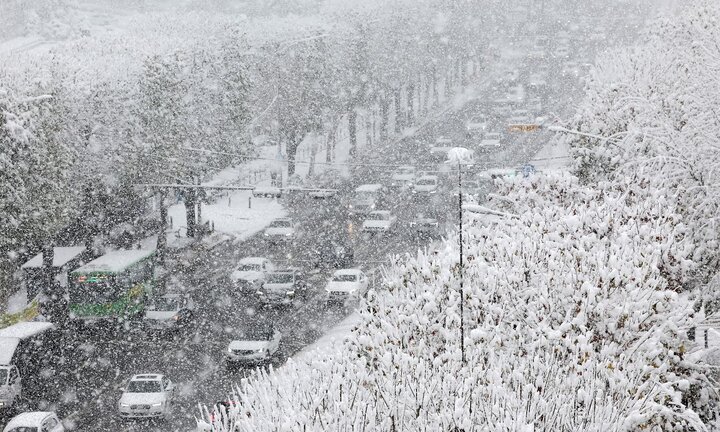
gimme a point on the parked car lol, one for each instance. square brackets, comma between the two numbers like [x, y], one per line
[147, 396]
[35, 421]
[250, 273]
[379, 221]
[170, 312]
[426, 185]
[280, 230]
[282, 286]
[346, 285]
[253, 346]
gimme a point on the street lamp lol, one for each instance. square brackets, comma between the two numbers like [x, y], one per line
[461, 156]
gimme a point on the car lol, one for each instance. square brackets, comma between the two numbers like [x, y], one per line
[366, 198]
[253, 346]
[35, 421]
[379, 221]
[281, 286]
[441, 148]
[491, 141]
[476, 126]
[281, 229]
[403, 177]
[426, 185]
[345, 285]
[171, 311]
[562, 52]
[147, 396]
[326, 184]
[10, 381]
[250, 273]
[424, 226]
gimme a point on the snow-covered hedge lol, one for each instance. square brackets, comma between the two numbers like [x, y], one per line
[576, 312]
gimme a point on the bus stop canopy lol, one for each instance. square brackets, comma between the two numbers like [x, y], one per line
[115, 261]
[61, 256]
[23, 330]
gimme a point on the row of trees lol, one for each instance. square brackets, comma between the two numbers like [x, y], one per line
[577, 311]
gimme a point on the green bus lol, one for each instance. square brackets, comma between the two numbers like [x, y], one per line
[113, 286]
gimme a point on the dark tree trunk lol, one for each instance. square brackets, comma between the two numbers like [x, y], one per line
[435, 99]
[352, 129]
[162, 231]
[190, 211]
[463, 72]
[330, 148]
[398, 109]
[384, 113]
[291, 146]
[48, 279]
[411, 102]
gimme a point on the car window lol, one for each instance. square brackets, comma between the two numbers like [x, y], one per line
[345, 278]
[144, 387]
[24, 429]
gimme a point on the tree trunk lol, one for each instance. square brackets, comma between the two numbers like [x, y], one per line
[330, 147]
[384, 113]
[190, 212]
[398, 109]
[411, 102]
[162, 232]
[463, 72]
[352, 130]
[291, 147]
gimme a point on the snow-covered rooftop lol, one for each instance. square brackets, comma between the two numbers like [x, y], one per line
[23, 330]
[61, 256]
[116, 261]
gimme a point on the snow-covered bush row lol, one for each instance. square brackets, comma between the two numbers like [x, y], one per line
[573, 322]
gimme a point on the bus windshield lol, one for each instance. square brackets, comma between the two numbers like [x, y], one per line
[100, 289]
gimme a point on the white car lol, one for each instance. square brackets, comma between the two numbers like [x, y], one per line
[476, 126]
[426, 185]
[346, 284]
[254, 346]
[250, 273]
[491, 141]
[170, 312]
[282, 229]
[379, 221]
[36, 421]
[282, 286]
[10, 384]
[403, 177]
[146, 396]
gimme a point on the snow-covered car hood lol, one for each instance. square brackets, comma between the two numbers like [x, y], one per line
[490, 143]
[142, 398]
[346, 287]
[160, 315]
[247, 275]
[425, 188]
[248, 345]
[376, 224]
[403, 177]
[475, 126]
[279, 231]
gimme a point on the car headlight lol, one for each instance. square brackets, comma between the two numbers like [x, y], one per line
[260, 351]
[157, 404]
[288, 234]
[124, 405]
[176, 317]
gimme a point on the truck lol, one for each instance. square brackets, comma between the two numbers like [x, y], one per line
[25, 350]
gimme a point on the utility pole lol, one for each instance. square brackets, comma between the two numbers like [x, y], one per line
[162, 234]
[462, 294]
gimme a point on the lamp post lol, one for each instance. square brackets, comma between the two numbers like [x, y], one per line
[461, 156]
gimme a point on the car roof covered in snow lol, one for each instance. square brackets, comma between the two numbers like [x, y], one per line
[341, 272]
[28, 419]
[61, 256]
[369, 187]
[146, 377]
[24, 330]
[253, 260]
[116, 261]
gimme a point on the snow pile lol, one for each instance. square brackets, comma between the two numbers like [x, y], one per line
[575, 312]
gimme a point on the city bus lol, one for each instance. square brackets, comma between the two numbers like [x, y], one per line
[113, 286]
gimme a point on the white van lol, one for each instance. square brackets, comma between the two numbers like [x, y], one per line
[366, 198]
[19, 360]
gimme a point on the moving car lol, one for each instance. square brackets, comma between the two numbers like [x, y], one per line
[35, 421]
[250, 273]
[425, 227]
[403, 177]
[253, 346]
[442, 146]
[281, 286]
[426, 185]
[170, 312]
[476, 126]
[366, 198]
[346, 284]
[491, 141]
[147, 396]
[379, 221]
[281, 229]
